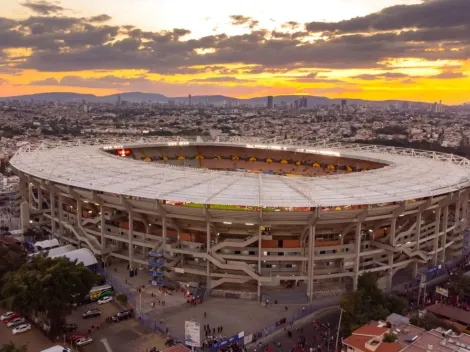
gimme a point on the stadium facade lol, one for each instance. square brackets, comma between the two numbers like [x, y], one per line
[251, 212]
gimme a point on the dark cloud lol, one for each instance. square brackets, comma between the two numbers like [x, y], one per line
[43, 7]
[239, 20]
[380, 76]
[99, 18]
[449, 75]
[430, 14]
[291, 25]
[46, 82]
[220, 79]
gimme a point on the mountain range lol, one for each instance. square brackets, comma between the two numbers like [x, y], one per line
[138, 97]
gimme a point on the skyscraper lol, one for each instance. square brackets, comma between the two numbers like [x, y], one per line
[270, 102]
[189, 99]
[118, 100]
[344, 103]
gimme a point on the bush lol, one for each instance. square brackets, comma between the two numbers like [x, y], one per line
[390, 338]
[121, 298]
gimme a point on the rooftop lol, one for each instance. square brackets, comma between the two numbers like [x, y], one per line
[410, 174]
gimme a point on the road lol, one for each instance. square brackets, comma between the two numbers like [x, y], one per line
[314, 336]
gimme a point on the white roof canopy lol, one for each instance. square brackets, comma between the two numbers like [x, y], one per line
[82, 255]
[410, 174]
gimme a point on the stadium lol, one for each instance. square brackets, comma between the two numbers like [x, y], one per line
[250, 214]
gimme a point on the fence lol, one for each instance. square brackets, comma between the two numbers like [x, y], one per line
[147, 321]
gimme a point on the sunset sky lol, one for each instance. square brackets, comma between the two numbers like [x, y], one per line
[369, 49]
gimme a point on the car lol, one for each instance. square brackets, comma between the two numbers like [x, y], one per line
[105, 300]
[91, 313]
[83, 341]
[125, 314]
[6, 315]
[22, 328]
[69, 327]
[16, 322]
[11, 317]
[76, 337]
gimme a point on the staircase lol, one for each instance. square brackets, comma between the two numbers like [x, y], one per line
[93, 221]
[228, 266]
[224, 280]
[236, 244]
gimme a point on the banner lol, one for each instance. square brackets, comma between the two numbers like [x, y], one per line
[248, 339]
[229, 341]
[192, 334]
[442, 291]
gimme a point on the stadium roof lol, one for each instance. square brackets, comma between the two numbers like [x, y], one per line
[410, 174]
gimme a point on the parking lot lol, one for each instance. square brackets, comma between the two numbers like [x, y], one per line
[34, 339]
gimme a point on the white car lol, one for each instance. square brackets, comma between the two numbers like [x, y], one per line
[82, 341]
[6, 315]
[22, 328]
[16, 322]
[105, 300]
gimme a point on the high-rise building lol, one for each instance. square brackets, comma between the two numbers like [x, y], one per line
[118, 100]
[296, 104]
[270, 104]
[344, 103]
[189, 99]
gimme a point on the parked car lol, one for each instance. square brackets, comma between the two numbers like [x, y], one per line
[69, 327]
[91, 313]
[16, 322]
[6, 315]
[76, 337]
[125, 314]
[11, 317]
[83, 341]
[22, 328]
[106, 299]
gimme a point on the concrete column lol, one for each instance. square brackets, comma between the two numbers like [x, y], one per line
[418, 237]
[457, 212]
[40, 198]
[445, 224]
[61, 214]
[393, 231]
[437, 227]
[260, 232]
[30, 194]
[53, 208]
[131, 238]
[208, 249]
[103, 239]
[25, 218]
[79, 211]
[311, 261]
[357, 252]
[164, 234]
[465, 206]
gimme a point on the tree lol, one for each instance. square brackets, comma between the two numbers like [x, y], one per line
[389, 338]
[46, 286]
[11, 347]
[368, 303]
[12, 257]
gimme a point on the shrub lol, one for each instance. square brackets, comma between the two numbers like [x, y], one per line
[390, 338]
[121, 298]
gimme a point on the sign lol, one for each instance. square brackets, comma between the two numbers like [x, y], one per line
[192, 334]
[442, 291]
[248, 339]
[229, 341]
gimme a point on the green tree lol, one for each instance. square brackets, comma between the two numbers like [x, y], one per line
[389, 338]
[11, 347]
[459, 284]
[12, 257]
[368, 303]
[45, 286]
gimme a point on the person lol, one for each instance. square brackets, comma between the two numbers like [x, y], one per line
[97, 326]
[205, 314]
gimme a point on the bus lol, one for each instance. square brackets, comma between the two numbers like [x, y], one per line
[57, 349]
[99, 292]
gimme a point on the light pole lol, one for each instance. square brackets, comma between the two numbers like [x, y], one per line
[105, 265]
[339, 327]
[329, 333]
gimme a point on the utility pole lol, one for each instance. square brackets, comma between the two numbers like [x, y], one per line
[339, 326]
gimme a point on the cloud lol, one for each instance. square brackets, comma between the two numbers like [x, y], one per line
[449, 75]
[291, 25]
[46, 82]
[43, 7]
[99, 18]
[239, 20]
[220, 79]
[380, 76]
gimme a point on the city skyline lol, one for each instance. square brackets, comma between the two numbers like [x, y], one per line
[355, 49]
